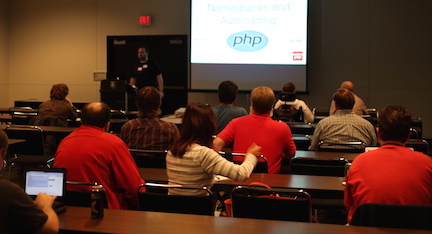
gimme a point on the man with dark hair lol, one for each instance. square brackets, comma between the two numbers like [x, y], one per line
[90, 154]
[359, 107]
[148, 131]
[18, 212]
[147, 72]
[344, 125]
[273, 136]
[392, 174]
[226, 111]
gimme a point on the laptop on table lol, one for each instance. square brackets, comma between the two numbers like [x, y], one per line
[51, 181]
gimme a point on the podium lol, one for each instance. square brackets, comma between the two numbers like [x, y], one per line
[114, 93]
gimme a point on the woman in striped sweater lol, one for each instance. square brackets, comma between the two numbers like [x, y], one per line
[191, 160]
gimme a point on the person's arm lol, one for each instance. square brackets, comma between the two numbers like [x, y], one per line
[315, 137]
[213, 163]
[308, 116]
[218, 144]
[277, 104]
[332, 108]
[160, 84]
[132, 81]
[45, 202]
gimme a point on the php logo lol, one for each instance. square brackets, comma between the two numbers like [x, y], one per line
[247, 41]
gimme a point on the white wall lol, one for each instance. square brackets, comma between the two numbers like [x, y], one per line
[4, 88]
[384, 47]
[65, 41]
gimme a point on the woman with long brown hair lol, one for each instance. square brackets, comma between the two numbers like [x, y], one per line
[191, 160]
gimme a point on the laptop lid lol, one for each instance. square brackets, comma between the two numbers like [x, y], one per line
[51, 181]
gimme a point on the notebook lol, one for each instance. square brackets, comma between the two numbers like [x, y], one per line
[51, 181]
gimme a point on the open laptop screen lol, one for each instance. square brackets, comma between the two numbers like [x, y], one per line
[51, 181]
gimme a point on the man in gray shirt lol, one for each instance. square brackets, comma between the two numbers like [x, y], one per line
[226, 111]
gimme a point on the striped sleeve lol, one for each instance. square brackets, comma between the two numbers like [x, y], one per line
[213, 163]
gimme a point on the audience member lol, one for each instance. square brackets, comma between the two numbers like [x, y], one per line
[148, 131]
[226, 111]
[344, 125]
[55, 112]
[90, 154]
[359, 107]
[273, 136]
[392, 174]
[18, 212]
[289, 98]
[192, 162]
[59, 106]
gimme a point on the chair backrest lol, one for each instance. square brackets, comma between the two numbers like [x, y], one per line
[302, 141]
[418, 145]
[287, 113]
[156, 198]
[147, 158]
[341, 146]
[271, 203]
[321, 111]
[393, 216]
[22, 115]
[237, 158]
[301, 128]
[321, 167]
[80, 198]
[51, 141]
[33, 136]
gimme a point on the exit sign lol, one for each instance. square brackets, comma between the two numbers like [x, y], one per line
[145, 20]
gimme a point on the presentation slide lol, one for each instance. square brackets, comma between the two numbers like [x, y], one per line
[251, 42]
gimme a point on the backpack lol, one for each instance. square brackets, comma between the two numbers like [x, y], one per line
[288, 113]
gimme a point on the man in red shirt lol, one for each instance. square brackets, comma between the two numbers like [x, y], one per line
[274, 137]
[392, 174]
[91, 154]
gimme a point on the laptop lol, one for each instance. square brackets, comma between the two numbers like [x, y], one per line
[51, 181]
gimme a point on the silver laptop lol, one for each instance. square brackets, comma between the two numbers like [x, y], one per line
[51, 181]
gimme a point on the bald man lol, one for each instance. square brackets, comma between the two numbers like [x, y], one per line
[359, 105]
[91, 154]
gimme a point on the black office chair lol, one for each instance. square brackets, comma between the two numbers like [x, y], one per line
[29, 153]
[320, 113]
[320, 167]
[51, 141]
[22, 115]
[341, 146]
[147, 158]
[393, 216]
[81, 198]
[301, 128]
[302, 141]
[418, 145]
[261, 167]
[271, 203]
[286, 112]
[156, 198]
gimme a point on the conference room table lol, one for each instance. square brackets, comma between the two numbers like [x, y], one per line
[323, 187]
[78, 219]
[15, 141]
[325, 155]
